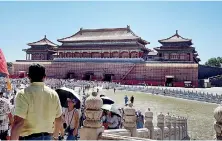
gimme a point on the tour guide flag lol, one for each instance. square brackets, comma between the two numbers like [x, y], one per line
[4, 70]
[3, 64]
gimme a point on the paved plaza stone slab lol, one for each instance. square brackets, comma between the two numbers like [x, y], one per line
[199, 114]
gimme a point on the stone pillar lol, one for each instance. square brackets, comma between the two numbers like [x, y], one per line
[26, 56]
[179, 126]
[182, 126]
[149, 122]
[186, 128]
[217, 123]
[92, 126]
[173, 122]
[160, 123]
[168, 123]
[130, 120]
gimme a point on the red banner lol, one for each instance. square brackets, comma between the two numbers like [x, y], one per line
[3, 64]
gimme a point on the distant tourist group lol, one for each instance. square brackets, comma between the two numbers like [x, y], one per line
[37, 113]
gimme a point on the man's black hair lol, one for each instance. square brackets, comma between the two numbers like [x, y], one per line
[36, 73]
[1, 93]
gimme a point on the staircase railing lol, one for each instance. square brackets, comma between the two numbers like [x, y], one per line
[128, 72]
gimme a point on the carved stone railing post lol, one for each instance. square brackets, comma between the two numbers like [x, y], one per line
[173, 129]
[149, 122]
[168, 124]
[183, 127]
[186, 128]
[160, 123]
[130, 120]
[217, 123]
[180, 128]
[92, 126]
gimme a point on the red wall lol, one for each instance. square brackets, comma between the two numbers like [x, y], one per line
[128, 73]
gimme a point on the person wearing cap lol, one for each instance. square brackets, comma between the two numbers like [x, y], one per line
[71, 118]
[37, 109]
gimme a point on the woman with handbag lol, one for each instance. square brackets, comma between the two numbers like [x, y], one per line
[112, 120]
[71, 124]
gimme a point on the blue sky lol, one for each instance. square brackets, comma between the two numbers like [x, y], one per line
[24, 22]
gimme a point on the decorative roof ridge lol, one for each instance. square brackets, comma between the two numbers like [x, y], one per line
[176, 34]
[43, 40]
[101, 29]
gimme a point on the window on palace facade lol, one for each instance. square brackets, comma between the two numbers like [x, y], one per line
[166, 56]
[174, 56]
[183, 56]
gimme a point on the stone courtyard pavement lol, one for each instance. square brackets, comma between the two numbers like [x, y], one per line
[199, 114]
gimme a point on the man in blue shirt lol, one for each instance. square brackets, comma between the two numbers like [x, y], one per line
[126, 99]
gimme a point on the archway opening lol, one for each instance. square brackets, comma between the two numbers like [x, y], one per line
[107, 77]
[88, 76]
[169, 81]
[71, 75]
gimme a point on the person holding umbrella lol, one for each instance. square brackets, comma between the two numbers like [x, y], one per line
[113, 120]
[71, 117]
[113, 115]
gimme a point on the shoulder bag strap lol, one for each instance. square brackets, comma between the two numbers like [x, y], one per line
[72, 117]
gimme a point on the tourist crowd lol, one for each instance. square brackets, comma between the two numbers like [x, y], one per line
[32, 110]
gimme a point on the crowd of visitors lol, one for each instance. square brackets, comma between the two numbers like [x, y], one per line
[32, 109]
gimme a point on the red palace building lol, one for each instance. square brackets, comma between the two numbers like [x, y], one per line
[117, 55]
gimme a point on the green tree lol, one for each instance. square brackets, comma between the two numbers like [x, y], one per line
[214, 62]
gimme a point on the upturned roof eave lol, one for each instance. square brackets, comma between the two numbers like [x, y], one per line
[46, 42]
[164, 41]
[167, 40]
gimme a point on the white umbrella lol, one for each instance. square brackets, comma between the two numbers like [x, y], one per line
[72, 91]
[112, 108]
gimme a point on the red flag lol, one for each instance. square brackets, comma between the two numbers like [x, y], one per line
[3, 64]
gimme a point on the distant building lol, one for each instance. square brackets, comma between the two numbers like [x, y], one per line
[91, 43]
[177, 48]
[117, 55]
